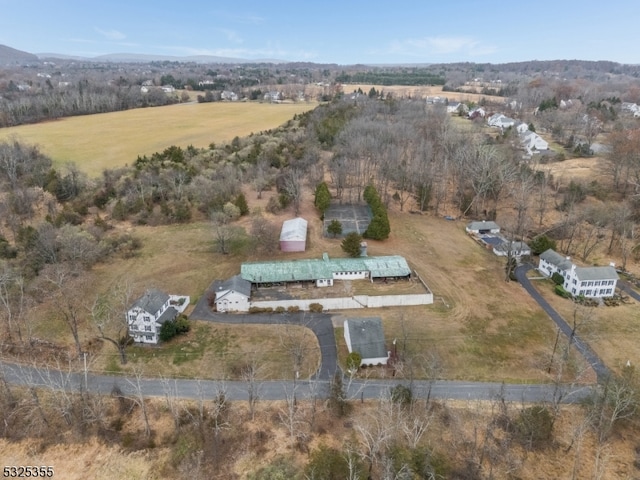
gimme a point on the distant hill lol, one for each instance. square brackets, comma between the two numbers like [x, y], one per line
[144, 58]
[11, 56]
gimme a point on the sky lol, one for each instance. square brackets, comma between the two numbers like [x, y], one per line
[329, 31]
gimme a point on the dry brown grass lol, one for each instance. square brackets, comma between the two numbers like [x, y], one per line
[421, 92]
[108, 140]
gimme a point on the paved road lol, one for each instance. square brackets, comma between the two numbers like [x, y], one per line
[318, 386]
[628, 289]
[319, 323]
[277, 390]
[602, 372]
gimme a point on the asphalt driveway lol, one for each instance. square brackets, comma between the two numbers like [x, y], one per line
[318, 323]
[585, 350]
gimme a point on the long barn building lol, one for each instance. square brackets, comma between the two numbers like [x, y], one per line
[323, 271]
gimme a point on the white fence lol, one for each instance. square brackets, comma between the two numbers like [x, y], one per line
[357, 301]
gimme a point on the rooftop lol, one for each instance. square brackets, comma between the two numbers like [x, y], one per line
[367, 337]
[152, 300]
[323, 268]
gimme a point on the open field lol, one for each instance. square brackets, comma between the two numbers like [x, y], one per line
[422, 92]
[108, 140]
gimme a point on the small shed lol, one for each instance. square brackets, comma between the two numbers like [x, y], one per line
[483, 227]
[293, 236]
[233, 295]
[365, 336]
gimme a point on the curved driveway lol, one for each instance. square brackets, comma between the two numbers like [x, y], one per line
[319, 323]
[602, 372]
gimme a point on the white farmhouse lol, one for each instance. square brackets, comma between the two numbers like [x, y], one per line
[501, 121]
[532, 142]
[593, 282]
[147, 314]
[365, 336]
[233, 295]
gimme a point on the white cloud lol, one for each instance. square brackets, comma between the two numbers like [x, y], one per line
[441, 46]
[231, 35]
[110, 34]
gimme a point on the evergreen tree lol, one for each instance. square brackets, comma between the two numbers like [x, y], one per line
[323, 198]
[241, 203]
[351, 244]
[334, 228]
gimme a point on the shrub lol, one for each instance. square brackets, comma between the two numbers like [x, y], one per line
[557, 278]
[401, 394]
[293, 309]
[541, 244]
[534, 426]
[280, 309]
[6, 250]
[562, 292]
[315, 307]
[354, 359]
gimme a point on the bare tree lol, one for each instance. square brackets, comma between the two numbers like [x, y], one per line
[62, 286]
[292, 187]
[13, 303]
[251, 374]
[109, 314]
[138, 398]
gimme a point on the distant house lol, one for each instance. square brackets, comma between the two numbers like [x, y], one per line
[273, 96]
[233, 295]
[457, 107]
[147, 314]
[532, 142]
[168, 88]
[512, 248]
[293, 236]
[483, 227]
[477, 113]
[521, 127]
[228, 95]
[593, 282]
[365, 336]
[500, 121]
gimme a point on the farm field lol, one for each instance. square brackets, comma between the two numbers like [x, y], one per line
[109, 140]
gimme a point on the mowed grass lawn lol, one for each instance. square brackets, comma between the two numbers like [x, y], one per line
[108, 140]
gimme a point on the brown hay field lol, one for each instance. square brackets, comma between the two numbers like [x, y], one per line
[108, 140]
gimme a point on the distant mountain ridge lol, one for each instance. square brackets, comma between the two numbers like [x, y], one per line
[9, 56]
[146, 58]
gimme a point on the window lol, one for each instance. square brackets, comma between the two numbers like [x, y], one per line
[146, 318]
[574, 282]
[597, 284]
[609, 292]
[147, 328]
[573, 290]
[132, 317]
[149, 337]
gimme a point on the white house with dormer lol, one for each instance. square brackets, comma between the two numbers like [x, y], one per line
[500, 121]
[592, 282]
[532, 142]
[150, 311]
